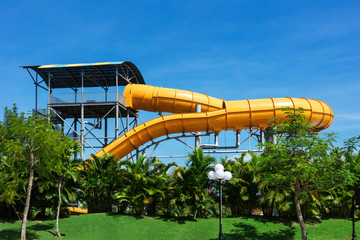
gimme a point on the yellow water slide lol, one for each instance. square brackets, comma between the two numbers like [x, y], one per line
[216, 115]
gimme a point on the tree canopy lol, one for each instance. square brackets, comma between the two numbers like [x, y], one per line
[300, 162]
[30, 146]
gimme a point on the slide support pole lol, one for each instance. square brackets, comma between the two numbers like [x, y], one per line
[82, 130]
[197, 134]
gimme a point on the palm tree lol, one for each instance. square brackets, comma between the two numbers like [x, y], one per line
[241, 193]
[144, 183]
[189, 196]
[100, 178]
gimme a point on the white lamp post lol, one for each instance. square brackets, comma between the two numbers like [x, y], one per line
[220, 174]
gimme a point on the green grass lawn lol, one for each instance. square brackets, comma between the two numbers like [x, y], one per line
[102, 226]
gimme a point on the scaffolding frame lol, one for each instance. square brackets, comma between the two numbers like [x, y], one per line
[251, 134]
[80, 111]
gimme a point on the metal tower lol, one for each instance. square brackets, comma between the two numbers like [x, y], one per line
[97, 117]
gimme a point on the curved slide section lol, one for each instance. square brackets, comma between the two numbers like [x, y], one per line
[217, 115]
[158, 99]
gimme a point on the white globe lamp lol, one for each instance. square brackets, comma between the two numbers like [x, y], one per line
[219, 174]
[227, 175]
[219, 167]
[212, 175]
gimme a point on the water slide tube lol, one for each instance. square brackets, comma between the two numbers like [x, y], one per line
[216, 115]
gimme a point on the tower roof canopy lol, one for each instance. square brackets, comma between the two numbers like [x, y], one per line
[101, 74]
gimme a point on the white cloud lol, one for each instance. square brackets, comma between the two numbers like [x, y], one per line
[349, 116]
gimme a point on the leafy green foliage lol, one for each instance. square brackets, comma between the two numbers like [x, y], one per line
[144, 185]
[240, 193]
[300, 162]
[99, 179]
[188, 195]
[32, 148]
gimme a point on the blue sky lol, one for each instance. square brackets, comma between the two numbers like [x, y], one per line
[226, 49]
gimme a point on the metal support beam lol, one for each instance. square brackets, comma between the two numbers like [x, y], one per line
[197, 134]
[188, 145]
[216, 143]
[36, 94]
[98, 122]
[232, 151]
[117, 105]
[75, 126]
[173, 156]
[75, 91]
[129, 68]
[127, 127]
[215, 147]
[274, 139]
[106, 131]
[49, 94]
[262, 139]
[127, 120]
[168, 138]
[74, 129]
[82, 131]
[135, 125]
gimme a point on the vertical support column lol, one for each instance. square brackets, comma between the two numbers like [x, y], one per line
[106, 131]
[75, 128]
[237, 139]
[49, 95]
[127, 120]
[269, 135]
[75, 124]
[262, 139]
[128, 126]
[36, 94]
[75, 95]
[106, 121]
[117, 104]
[274, 138]
[197, 137]
[136, 124]
[82, 131]
[250, 135]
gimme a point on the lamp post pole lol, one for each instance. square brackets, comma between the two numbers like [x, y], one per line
[220, 210]
[355, 202]
[220, 174]
[353, 218]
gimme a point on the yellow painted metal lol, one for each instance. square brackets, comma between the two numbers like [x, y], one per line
[74, 65]
[158, 99]
[47, 66]
[101, 63]
[217, 115]
[76, 210]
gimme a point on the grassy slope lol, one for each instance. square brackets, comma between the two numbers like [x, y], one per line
[102, 226]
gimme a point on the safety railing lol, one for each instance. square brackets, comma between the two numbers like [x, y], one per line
[88, 97]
